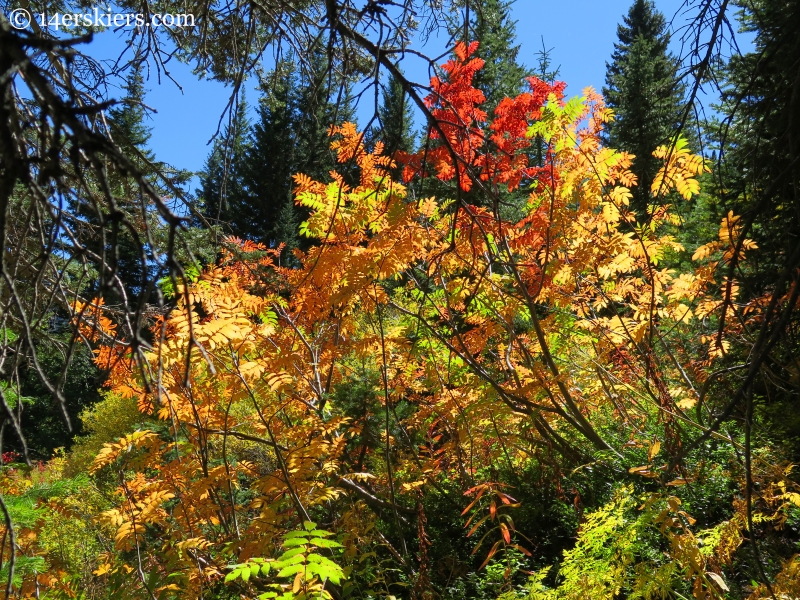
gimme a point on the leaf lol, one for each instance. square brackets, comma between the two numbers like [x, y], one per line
[476, 525]
[719, 581]
[297, 581]
[290, 570]
[489, 556]
[678, 481]
[655, 448]
[323, 543]
[505, 533]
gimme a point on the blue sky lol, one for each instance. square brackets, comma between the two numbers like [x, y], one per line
[581, 34]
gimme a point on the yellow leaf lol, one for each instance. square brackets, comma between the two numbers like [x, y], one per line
[655, 448]
[298, 580]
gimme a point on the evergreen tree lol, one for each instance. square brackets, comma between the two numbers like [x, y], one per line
[756, 163]
[643, 88]
[396, 119]
[269, 162]
[317, 109]
[133, 263]
[545, 72]
[222, 193]
[491, 25]
[247, 181]
[127, 122]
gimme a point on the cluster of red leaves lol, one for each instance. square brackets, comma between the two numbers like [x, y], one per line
[497, 156]
[8, 457]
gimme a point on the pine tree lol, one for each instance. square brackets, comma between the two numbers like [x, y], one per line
[318, 107]
[269, 162]
[127, 122]
[222, 193]
[759, 167]
[247, 181]
[643, 88]
[491, 25]
[43, 427]
[131, 134]
[757, 176]
[545, 72]
[396, 119]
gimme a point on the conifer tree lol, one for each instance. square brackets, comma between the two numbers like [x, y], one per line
[318, 107]
[130, 132]
[222, 193]
[247, 181]
[269, 161]
[491, 25]
[396, 119]
[127, 122]
[643, 88]
[759, 166]
[123, 281]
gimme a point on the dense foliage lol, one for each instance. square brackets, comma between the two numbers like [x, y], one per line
[439, 401]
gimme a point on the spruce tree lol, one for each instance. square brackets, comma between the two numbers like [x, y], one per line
[127, 121]
[396, 119]
[757, 177]
[247, 181]
[759, 166]
[269, 162]
[491, 26]
[222, 190]
[318, 106]
[643, 88]
[131, 134]
[122, 281]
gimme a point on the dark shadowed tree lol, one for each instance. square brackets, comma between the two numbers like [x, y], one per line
[396, 119]
[222, 193]
[643, 88]
[269, 160]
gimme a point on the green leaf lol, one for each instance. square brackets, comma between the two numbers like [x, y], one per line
[290, 556]
[291, 570]
[319, 533]
[322, 543]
